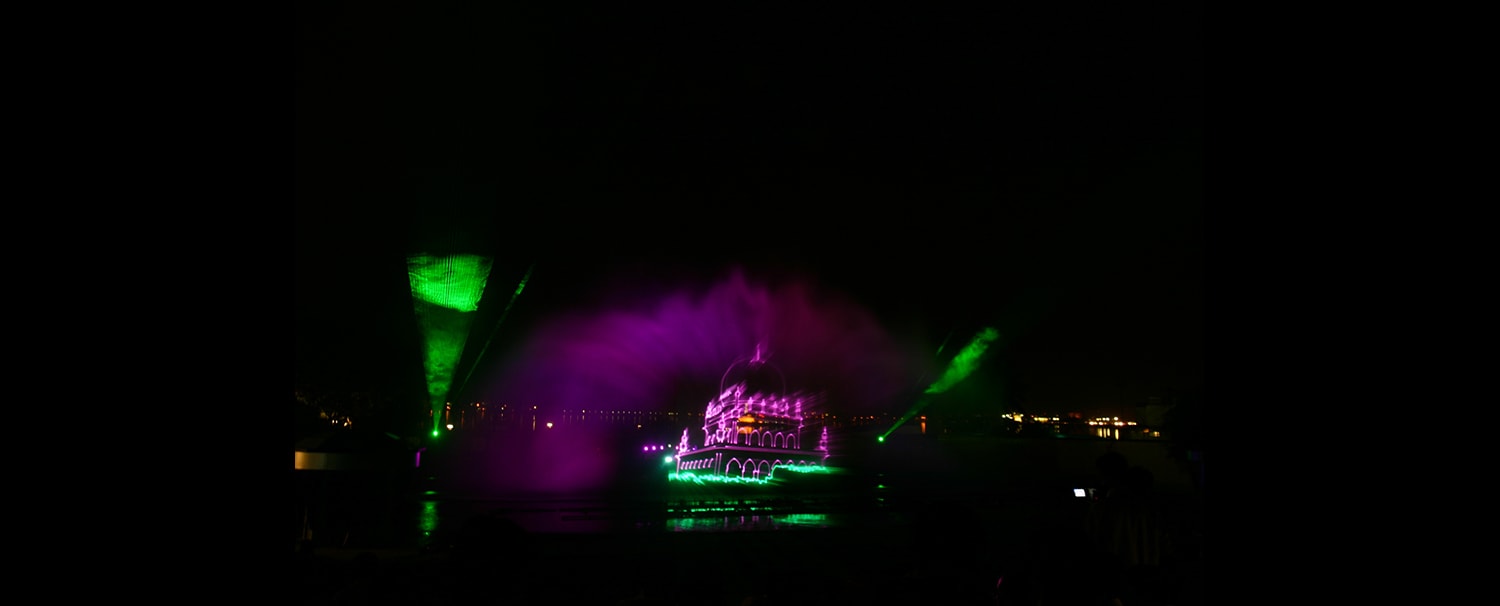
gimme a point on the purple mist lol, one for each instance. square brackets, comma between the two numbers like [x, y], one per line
[667, 351]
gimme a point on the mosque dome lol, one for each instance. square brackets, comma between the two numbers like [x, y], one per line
[757, 374]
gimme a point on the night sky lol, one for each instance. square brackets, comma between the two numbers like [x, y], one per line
[883, 182]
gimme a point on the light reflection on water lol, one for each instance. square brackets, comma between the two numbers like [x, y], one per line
[749, 523]
[437, 517]
[428, 519]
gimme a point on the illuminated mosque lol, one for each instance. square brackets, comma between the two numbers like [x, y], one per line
[752, 428]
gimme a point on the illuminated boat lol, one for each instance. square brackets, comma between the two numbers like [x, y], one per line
[753, 429]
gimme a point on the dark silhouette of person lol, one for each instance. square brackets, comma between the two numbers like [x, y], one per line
[1125, 526]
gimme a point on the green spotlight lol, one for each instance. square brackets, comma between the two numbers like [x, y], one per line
[452, 281]
[445, 290]
[958, 369]
[880, 439]
[965, 362]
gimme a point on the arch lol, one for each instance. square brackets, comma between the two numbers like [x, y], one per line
[763, 469]
[733, 466]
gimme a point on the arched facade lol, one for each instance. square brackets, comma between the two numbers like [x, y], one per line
[752, 428]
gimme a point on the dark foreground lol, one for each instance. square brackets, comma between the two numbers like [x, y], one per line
[979, 550]
[938, 522]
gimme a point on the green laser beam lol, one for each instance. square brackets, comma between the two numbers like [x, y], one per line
[446, 290]
[515, 295]
[962, 365]
[965, 362]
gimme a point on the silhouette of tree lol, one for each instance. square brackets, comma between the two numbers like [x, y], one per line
[318, 410]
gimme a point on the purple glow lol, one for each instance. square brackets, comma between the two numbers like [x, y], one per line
[667, 351]
[752, 404]
[634, 357]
